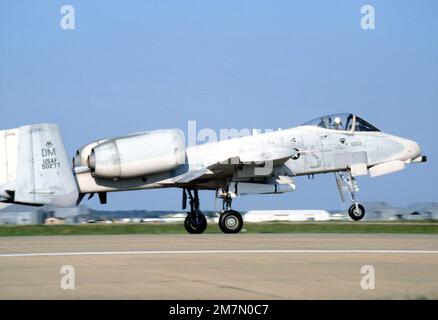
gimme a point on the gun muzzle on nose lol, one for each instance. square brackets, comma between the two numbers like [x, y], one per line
[419, 159]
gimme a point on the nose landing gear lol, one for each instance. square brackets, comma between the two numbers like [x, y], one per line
[348, 184]
[356, 211]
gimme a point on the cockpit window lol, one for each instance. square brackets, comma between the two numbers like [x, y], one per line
[341, 121]
[362, 125]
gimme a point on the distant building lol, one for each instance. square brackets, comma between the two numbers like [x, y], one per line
[20, 214]
[22, 217]
[423, 211]
[285, 215]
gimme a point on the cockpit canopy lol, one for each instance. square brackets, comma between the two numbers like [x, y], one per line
[342, 121]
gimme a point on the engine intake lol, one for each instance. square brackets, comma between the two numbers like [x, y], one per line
[81, 157]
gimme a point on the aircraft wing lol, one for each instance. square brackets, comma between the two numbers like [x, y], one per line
[255, 159]
[193, 175]
[249, 165]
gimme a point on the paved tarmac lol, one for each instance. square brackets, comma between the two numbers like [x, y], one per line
[218, 266]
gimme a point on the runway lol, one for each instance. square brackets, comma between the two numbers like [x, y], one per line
[218, 266]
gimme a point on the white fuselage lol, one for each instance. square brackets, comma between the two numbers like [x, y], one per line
[317, 150]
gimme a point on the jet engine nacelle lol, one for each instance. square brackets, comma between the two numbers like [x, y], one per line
[81, 157]
[138, 154]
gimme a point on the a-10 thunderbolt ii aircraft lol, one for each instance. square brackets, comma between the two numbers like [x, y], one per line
[35, 170]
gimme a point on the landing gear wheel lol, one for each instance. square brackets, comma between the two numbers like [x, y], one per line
[356, 213]
[195, 223]
[230, 221]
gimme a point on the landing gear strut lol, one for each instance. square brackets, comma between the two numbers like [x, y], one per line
[348, 184]
[230, 221]
[195, 221]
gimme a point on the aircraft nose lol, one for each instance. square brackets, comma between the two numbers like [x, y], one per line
[411, 148]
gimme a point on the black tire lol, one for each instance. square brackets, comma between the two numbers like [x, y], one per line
[356, 214]
[230, 221]
[195, 224]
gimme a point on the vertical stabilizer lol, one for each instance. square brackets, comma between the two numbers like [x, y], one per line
[34, 167]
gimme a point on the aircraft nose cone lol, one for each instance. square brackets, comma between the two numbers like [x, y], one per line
[412, 149]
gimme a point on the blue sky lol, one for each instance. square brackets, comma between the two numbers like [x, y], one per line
[140, 65]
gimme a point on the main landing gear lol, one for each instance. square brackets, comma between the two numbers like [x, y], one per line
[348, 184]
[195, 221]
[230, 221]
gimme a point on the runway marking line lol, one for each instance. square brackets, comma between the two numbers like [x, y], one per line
[109, 253]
